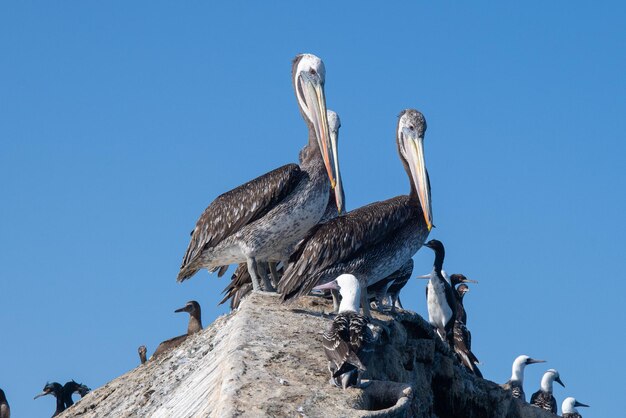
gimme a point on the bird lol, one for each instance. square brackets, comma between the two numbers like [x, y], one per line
[440, 297]
[195, 325]
[516, 382]
[568, 408]
[543, 398]
[142, 350]
[56, 390]
[462, 335]
[348, 343]
[262, 220]
[373, 241]
[389, 287]
[70, 388]
[5, 410]
[241, 281]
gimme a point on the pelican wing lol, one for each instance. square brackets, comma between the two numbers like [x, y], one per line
[339, 240]
[234, 209]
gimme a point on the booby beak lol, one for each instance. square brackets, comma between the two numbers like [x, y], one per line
[329, 285]
[41, 394]
[533, 361]
[576, 403]
[558, 380]
[183, 309]
[313, 92]
[414, 146]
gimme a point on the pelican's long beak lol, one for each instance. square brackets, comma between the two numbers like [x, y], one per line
[313, 91]
[329, 285]
[41, 394]
[414, 146]
[339, 196]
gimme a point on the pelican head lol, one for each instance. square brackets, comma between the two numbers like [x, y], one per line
[334, 124]
[309, 76]
[410, 137]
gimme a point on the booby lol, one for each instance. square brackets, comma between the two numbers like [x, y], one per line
[462, 335]
[568, 408]
[142, 350]
[543, 398]
[70, 388]
[262, 220]
[440, 297]
[516, 382]
[56, 390]
[195, 325]
[5, 410]
[373, 241]
[241, 282]
[348, 343]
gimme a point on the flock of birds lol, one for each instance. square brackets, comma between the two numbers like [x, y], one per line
[288, 231]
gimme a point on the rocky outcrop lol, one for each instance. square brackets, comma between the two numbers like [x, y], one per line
[266, 359]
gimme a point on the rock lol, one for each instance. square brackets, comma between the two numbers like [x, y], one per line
[266, 359]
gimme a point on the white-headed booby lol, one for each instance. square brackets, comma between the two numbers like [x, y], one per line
[543, 398]
[516, 382]
[568, 408]
[348, 343]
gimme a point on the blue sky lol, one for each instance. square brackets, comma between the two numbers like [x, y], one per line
[120, 123]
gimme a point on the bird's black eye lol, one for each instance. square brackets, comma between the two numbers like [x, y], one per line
[312, 71]
[411, 127]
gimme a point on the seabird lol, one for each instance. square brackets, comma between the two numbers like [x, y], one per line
[241, 282]
[389, 287]
[195, 325]
[462, 335]
[348, 343]
[56, 390]
[5, 410]
[568, 408]
[262, 220]
[440, 297]
[516, 382]
[142, 350]
[373, 241]
[543, 398]
[70, 388]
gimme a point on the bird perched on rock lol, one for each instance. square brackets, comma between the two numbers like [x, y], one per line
[462, 335]
[195, 325]
[440, 297]
[5, 410]
[348, 343]
[543, 398]
[55, 389]
[70, 388]
[142, 350]
[568, 408]
[516, 382]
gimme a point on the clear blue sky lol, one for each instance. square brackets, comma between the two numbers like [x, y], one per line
[120, 123]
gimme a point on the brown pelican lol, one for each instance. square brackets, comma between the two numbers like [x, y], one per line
[5, 410]
[262, 220]
[544, 398]
[241, 282]
[375, 240]
[195, 325]
[56, 390]
[516, 382]
[568, 408]
[348, 343]
[142, 350]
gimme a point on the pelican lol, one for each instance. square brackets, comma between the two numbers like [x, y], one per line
[262, 220]
[375, 240]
